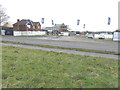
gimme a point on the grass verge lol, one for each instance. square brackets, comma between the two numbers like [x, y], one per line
[83, 50]
[28, 68]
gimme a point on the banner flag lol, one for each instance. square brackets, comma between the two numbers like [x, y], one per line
[52, 22]
[109, 20]
[28, 22]
[42, 20]
[84, 26]
[78, 22]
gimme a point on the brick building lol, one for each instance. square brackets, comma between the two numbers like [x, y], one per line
[21, 25]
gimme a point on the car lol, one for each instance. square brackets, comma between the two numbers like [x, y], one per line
[101, 36]
[77, 33]
[90, 36]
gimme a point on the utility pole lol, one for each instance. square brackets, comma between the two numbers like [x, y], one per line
[0, 23]
[119, 15]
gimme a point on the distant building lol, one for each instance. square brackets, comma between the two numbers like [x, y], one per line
[21, 25]
[8, 24]
[58, 27]
[62, 27]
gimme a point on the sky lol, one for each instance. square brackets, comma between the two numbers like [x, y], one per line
[93, 13]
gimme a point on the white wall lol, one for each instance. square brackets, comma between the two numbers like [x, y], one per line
[21, 33]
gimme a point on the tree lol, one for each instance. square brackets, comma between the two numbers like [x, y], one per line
[3, 16]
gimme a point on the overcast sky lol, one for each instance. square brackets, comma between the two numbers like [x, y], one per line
[93, 13]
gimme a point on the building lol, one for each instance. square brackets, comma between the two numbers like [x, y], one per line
[58, 27]
[8, 24]
[62, 27]
[7, 29]
[21, 25]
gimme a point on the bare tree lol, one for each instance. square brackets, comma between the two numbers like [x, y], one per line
[3, 16]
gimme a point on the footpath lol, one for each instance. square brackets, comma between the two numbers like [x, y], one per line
[65, 51]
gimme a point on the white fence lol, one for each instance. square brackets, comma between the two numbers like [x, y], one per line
[96, 35]
[106, 36]
[21, 33]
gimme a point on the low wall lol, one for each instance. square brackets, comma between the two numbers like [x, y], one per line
[22, 33]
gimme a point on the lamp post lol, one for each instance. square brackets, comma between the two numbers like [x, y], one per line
[0, 24]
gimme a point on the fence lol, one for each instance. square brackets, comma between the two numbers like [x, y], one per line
[24, 33]
[106, 36]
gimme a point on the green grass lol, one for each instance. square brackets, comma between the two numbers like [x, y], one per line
[28, 68]
[83, 50]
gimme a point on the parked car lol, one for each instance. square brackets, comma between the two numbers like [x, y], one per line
[101, 36]
[90, 36]
[77, 33]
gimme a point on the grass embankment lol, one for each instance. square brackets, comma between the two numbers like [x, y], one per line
[27, 68]
[83, 50]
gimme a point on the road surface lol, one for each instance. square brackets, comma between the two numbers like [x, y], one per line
[67, 42]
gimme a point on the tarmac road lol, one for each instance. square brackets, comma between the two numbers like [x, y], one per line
[67, 42]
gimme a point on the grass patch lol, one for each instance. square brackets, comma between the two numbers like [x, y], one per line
[28, 68]
[83, 50]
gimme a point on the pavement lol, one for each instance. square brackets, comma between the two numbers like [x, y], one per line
[65, 51]
[68, 42]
